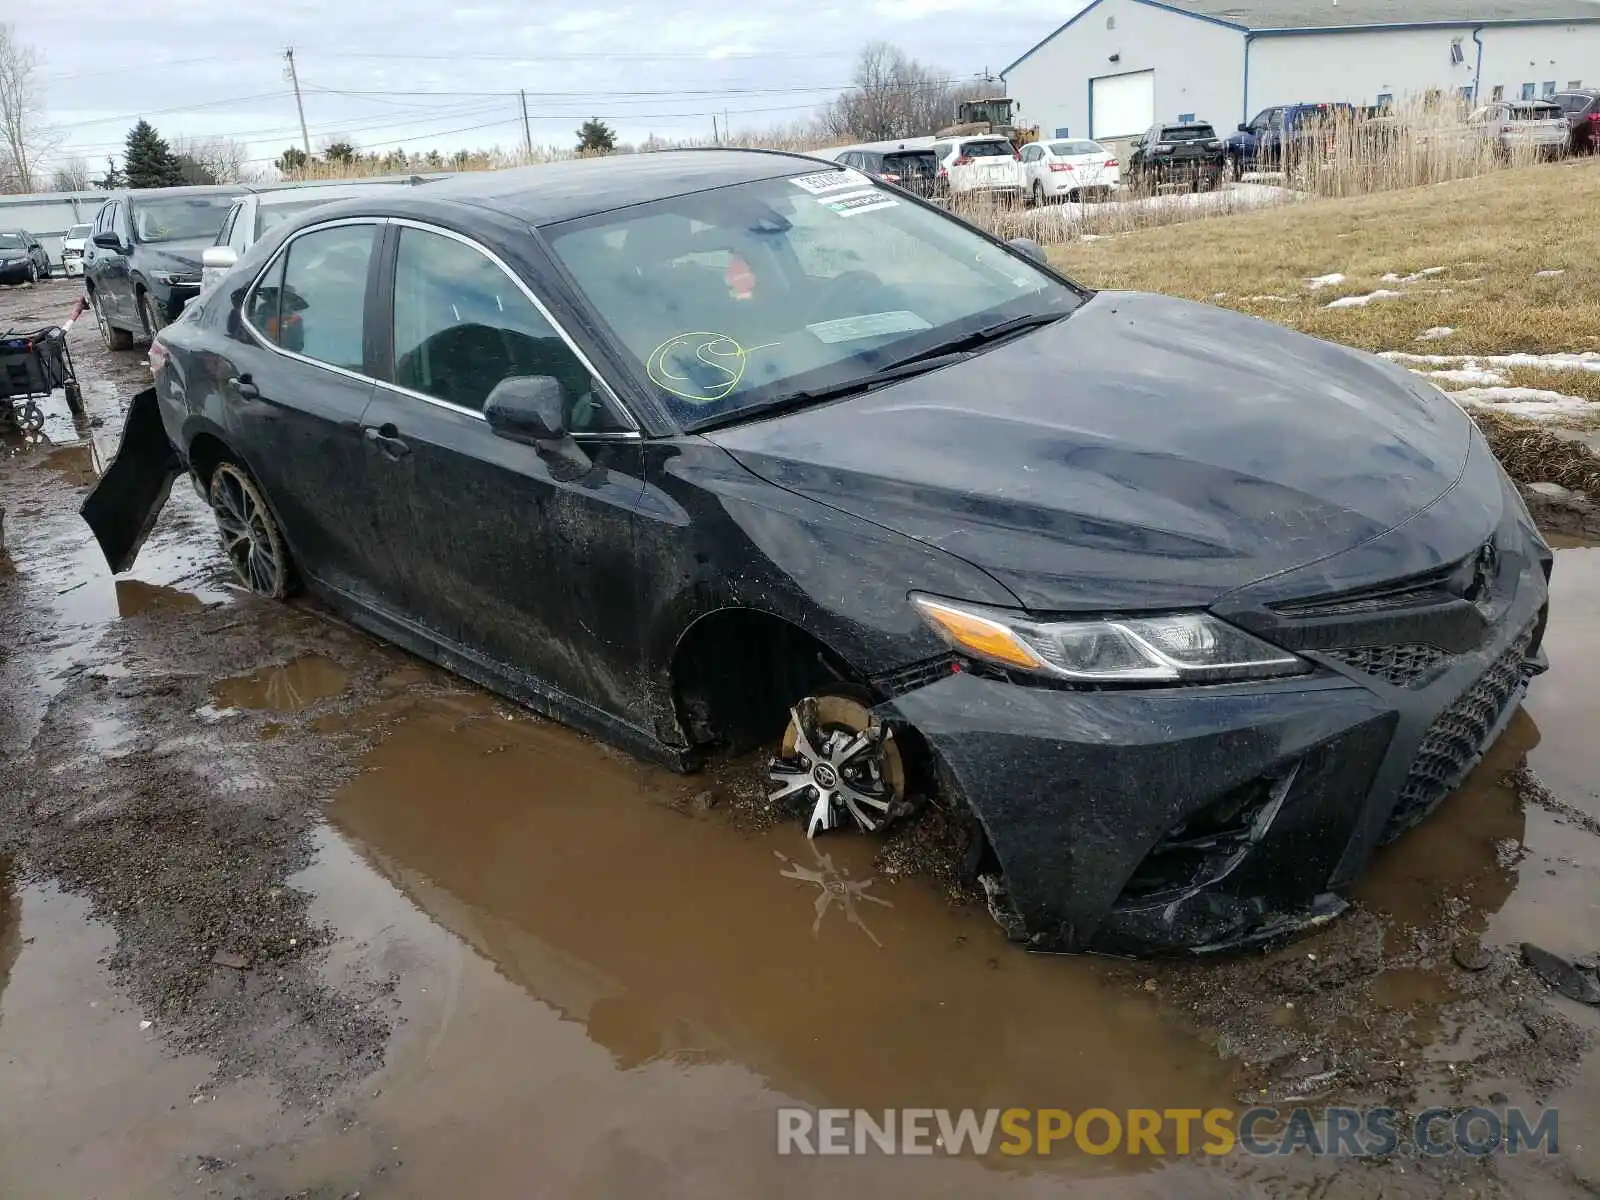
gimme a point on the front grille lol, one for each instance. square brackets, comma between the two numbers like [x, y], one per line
[918, 674]
[1457, 739]
[1402, 665]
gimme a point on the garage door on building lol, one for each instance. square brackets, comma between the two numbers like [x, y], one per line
[1121, 105]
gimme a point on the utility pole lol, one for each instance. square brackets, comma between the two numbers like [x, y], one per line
[294, 80]
[716, 139]
[527, 133]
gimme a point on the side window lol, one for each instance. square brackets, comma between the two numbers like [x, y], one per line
[263, 307]
[461, 325]
[324, 292]
[225, 234]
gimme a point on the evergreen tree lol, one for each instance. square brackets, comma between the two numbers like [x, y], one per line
[113, 178]
[596, 137]
[291, 160]
[148, 161]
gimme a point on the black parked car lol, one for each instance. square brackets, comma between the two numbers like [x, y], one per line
[1182, 612]
[915, 169]
[22, 258]
[1582, 110]
[1189, 155]
[141, 264]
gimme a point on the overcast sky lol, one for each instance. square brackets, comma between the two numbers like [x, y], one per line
[634, 65]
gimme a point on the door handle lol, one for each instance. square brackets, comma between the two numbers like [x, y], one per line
[387, 439]
[243, 385]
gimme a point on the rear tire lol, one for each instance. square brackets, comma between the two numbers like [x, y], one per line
[251, 539]
[1039, 200]
[33, 272]
[114, 338]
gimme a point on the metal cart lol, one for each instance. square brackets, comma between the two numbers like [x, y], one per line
[32, 365]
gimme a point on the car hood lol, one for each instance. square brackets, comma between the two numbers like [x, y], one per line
[181, 256]
[1144, 452]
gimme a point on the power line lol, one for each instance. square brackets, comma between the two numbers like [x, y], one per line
[162, 112]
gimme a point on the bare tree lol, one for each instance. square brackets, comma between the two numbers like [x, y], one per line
[219, 159]
[893, 96]
[24, 137]
[71, 176]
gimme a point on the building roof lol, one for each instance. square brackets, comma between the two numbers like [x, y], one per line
[1305, 16]
[1348, 14]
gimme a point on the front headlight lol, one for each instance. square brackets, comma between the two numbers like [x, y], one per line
[1182, 648]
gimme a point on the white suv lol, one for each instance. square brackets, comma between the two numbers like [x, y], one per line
[72, 244]
[986, 163]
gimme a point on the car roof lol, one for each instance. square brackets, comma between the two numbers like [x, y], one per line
[204, 189]
[565, 191]
[328, 192]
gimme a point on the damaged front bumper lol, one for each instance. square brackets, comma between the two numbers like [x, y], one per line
[1136, 821]
[122, 508]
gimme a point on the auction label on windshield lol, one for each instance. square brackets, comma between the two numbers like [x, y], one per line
[854, 203]
[849, 329]
[828, 181]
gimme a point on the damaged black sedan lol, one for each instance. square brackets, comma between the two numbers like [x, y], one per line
[1182, 613]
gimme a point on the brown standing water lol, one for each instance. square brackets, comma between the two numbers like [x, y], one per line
[285, 913]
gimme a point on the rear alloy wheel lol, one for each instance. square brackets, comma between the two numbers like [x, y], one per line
[843, 762]
[33, 272]
[250, 536]
[114, 338]
[1038, 194]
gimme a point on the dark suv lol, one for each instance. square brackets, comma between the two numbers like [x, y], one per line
[141, 264]
[1260, 144]
[1190, 154]
[1582, 109]
[915, 170]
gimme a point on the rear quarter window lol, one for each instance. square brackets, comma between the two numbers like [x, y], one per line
[989, 149]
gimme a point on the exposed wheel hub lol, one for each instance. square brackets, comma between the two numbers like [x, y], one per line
[842, 762]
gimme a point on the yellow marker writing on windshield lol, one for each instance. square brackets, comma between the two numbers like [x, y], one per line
[700, 367]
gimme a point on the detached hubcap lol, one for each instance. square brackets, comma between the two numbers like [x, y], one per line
[842, 762]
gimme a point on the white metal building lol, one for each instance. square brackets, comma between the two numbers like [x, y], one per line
[1119, 66]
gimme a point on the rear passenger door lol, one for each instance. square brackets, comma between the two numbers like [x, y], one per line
[528, 569]
[294, 393]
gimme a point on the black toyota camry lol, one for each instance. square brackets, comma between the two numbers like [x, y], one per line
[1182, 614]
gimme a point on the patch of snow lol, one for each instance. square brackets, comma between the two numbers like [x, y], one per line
[1434, 334]
[1092, 237]
[1391, 277]
[1464, 375]
[1533, 403]
[1233, 198]
[1550, 273]
[1362, 301]
[1322, 281]
[1588, 360]
[1273, 299]
[1219, 295]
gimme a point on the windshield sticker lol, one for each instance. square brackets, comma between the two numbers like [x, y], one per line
[699, 367]
[850, 329]
[852, 203]
[827, 181]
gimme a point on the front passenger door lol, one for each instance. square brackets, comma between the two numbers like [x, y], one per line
[528, 569]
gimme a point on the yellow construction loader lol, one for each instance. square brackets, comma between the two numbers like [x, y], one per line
[994, 115]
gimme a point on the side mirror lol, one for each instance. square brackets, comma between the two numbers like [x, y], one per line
[1243, 128]
[219, 258]
[1029, 247]
[108, 241]
[527, 408]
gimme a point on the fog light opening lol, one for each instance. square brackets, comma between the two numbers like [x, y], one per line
[1207, 845]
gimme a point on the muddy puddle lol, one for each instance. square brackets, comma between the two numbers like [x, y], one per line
[293, 686]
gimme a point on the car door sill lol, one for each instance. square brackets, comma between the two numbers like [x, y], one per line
[514, 685]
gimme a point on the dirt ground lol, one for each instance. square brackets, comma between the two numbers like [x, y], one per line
[287, 913]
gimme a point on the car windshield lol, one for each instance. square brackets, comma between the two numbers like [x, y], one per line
[179, 218]
[731, 300]
[987, 149]
[11, 241]
[1187, 133]
[1071, 148]
[79, 231]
